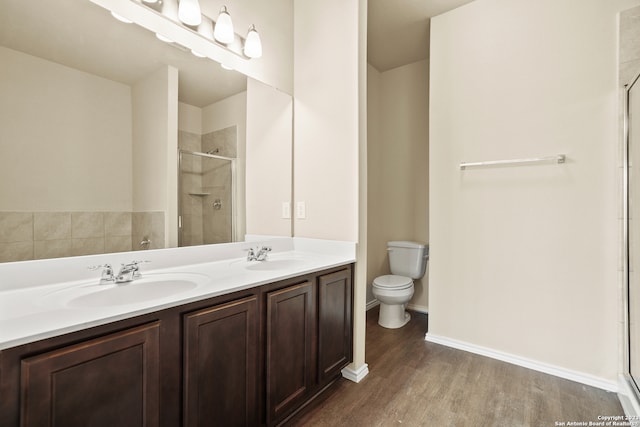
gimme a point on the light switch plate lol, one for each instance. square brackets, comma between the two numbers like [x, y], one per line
[286, 210]
[301, 210]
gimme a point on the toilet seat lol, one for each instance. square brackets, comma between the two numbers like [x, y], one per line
[392, 281]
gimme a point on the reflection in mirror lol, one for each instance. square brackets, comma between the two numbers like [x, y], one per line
[92, 114]
[633, 227]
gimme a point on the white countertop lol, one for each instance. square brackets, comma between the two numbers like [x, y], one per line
[33, 305]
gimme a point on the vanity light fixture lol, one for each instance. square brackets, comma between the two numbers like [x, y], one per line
[253, 45]
[121, 18]
[189, 12]
[163, 38]
[223, 30]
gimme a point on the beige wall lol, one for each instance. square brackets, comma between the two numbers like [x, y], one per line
[269, 152]
[326, 119]
[50, 123]
[330, 131]
[398, 166]
[524, 260]
[155, 145]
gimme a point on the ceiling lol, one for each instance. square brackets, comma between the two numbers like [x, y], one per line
[398, 30]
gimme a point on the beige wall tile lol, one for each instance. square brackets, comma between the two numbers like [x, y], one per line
[148, 225]
[225, 140]
[117, 224]
[87, 246]
[117, 244]
[51, 225]
[87, 224]
[16, 227]
[16, 251]
[52, 248]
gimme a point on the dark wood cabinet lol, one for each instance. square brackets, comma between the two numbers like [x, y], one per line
[220, 365]
[334, 324]
[290, 315]
[107, 381]
[308, 340]
[252, 357]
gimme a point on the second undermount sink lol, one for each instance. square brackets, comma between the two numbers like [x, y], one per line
[147, 288]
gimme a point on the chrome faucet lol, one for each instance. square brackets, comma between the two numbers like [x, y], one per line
[107, 273]
[129, 272]
[258, 254]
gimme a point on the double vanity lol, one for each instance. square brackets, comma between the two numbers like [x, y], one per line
[203, 336]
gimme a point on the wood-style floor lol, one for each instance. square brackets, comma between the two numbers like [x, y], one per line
[416, 383]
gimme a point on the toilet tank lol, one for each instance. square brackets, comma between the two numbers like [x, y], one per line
[408, 258]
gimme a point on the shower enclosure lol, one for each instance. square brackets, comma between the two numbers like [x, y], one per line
[206, 189]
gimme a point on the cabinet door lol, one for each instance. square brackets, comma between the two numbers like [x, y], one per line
[334, 323]
[290, 336]
[220, 365]
[107, 381]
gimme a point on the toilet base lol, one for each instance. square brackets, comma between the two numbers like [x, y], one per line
[393, 316]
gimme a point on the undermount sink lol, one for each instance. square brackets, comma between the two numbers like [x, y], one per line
[147, 288]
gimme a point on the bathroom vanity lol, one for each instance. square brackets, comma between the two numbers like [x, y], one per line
[248, 355]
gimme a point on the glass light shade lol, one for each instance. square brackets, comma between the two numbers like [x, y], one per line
[253, 45]
[150, 1]
[223, 30]
[121, 18]
[189, 12]
[198, 54]
[205, 28]
[170, 9]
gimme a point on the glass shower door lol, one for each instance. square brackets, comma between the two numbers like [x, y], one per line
[205, 202]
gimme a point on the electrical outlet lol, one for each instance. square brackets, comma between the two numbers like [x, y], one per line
[301, 210]
[286, 210]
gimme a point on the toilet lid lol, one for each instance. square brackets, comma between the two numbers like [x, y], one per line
[391, 281]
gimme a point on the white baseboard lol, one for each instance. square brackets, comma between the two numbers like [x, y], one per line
[568, 374]
[418, 308]
[355, 375]
[414, 307]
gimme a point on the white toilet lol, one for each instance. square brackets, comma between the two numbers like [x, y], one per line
[408, 261]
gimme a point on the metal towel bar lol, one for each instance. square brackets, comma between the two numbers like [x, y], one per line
[560, 158]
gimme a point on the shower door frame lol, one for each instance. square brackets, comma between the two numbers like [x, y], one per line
[233, 189]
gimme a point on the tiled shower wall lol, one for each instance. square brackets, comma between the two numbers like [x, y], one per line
[39, 235]
[203, 181]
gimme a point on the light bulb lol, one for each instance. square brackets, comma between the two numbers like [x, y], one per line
[189, 12]
[253, 45]
[223, 30]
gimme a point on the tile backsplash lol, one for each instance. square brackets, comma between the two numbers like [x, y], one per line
[40, 235]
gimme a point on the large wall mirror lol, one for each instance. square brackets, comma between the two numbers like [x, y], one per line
[112, 140]
[632, 208]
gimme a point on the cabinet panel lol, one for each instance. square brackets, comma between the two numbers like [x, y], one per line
[290, 337]
[334, 323]
[220, 365]
[107, 381]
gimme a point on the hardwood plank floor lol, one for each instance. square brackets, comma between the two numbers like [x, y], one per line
[416, 383]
